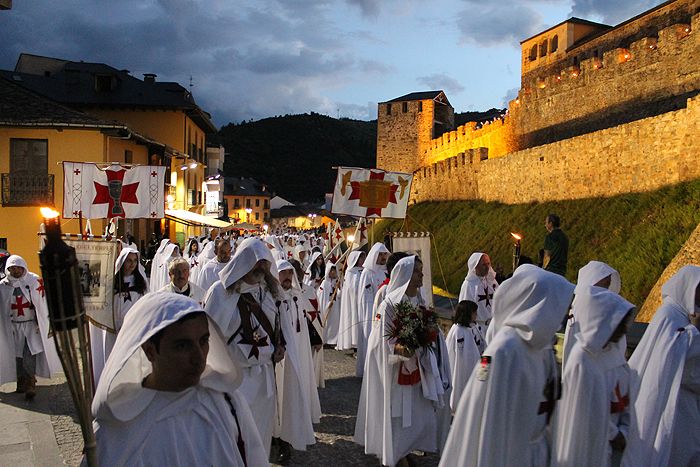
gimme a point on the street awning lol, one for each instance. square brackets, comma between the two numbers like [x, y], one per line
[194, 219]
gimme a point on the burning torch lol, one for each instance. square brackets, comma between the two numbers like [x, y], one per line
[516, 249]
[69, 323]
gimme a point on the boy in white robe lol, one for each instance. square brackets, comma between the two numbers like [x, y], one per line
[464, 346]
[349, 326]
[26, 350]
[501, 417]
[593, 413]
[168, 393]
[479, 286]
[666, 380]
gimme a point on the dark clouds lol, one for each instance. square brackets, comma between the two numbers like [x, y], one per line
[610, 12]
[441, 81]
[489, 23]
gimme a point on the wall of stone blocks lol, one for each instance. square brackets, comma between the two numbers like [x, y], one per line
[639, 156]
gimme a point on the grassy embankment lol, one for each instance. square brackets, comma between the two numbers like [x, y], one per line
[637, 234]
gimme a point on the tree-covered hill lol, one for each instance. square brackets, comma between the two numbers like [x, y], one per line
[294, 154]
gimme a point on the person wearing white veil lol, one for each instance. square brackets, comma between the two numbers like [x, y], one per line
[593, 416]
[302, 254]
[598, 274]
[158, 256]
[314, 273]
[159, 272]
[210, 271]
[502, 415]
[168, 393]
[402, 394]
[666, 369]
[348, 330]
[191, 251]
[245, 302]
[206, 255]
[371, 278]
[130, 285]
[27, 348]
[297, 395]
[329, 303]
[479, 286]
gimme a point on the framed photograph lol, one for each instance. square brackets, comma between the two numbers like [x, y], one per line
[96, 264]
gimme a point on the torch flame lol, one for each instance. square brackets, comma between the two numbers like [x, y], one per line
[48, 213]
[351, 238]
[516, 236]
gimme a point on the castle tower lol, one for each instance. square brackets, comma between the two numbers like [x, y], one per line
[406, 125]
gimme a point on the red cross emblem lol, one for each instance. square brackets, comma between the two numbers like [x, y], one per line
[338, 234]
[374, 194]
[363, 235]
[20, 305]
[40, 289]
[115, 193]
[622, 401]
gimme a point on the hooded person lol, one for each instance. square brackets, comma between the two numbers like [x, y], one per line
[502, 415]
[297, 395]
[275, 247]
[329, 302]
[158, 256]
[479, 286]
[245, 303]
[397, 415]
[168, 393]
[595, 273]
[302, 254]
[206, 255]
[593, 414]
[372, 276]
[666, 380]
[210, 271]
[349, 328]
[25, 342]
[130, 285]
[314, 273]
[159, 272]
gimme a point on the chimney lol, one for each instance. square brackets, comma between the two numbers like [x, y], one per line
[149, 77]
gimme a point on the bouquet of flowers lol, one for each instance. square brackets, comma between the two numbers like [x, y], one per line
[412, 327]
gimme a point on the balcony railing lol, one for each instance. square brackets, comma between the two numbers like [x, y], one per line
[27, 190]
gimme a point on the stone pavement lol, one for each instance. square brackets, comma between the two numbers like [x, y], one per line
[46, 433]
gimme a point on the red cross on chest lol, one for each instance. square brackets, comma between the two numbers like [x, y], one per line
[20, 305]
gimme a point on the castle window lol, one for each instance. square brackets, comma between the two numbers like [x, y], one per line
[420, 106]
[554, 44]
[543, 48]
[388, 109]
[404, 107]
[533, 53]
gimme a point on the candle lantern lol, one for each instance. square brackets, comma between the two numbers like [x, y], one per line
[516, 249]
[69, 323]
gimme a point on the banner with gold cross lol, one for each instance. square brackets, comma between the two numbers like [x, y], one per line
[371, 193]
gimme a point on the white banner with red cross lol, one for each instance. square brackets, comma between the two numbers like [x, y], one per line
[371, 193]
[113, 191]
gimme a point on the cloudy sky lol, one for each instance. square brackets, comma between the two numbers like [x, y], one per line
[251, 59]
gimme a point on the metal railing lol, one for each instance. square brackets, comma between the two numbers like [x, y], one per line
[27, 189]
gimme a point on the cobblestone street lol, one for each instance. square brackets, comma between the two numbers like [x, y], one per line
[334, 446]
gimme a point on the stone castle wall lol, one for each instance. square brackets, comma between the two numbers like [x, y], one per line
[639, 156]
[649, 76]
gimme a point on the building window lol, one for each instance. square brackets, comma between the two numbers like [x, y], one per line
[554, 44]
[3, 243]
[247, 203]
[533, 53]
[266, 216]
[388, 109]
[29, 181]
[257, 216]
[404, 107]
[103, 83]
[257, 202]
[543, 48]
[128, 156]
[266, 204]
[236, 203]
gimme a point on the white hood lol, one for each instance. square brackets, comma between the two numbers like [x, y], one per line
[400, 277]
[353, 258]
[284, 265]
[371, 260]
[680, 289]
[119, 262]
[119, 394]
[537, 301]
[601, 311]
[250, 251]
[595, 271]
[472, 263]
[15, 260]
